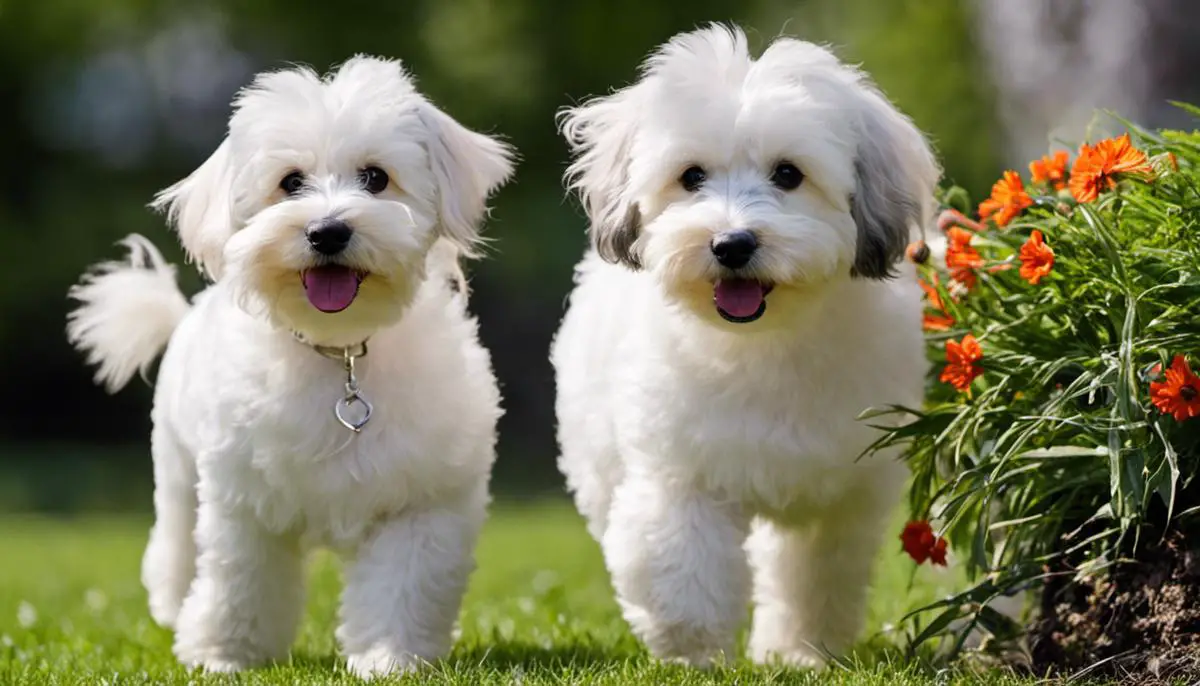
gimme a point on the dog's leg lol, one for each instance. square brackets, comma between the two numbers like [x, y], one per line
[169, 563]
[810, 585]
[404, 588]
[678, 567]
[247, 598]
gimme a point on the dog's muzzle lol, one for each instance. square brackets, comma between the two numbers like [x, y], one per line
[738, 300]
[733, 249]
[329, 236]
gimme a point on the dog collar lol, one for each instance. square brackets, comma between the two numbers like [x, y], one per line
[352, 410]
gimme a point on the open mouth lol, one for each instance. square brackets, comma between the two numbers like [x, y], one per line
[740, 300]
[331, 287]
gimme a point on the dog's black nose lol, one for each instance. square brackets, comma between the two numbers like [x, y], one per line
[733, 249]
[329, 236]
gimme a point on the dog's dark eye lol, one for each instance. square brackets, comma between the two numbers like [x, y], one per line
[292, 183]
[692, 178]
[373, 179]
[786, 176]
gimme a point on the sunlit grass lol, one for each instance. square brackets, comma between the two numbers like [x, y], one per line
[539, 610]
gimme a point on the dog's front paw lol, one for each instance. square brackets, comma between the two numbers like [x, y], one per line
[225, 666]
[381, 661]
[802, 658]
[686, 644]
[215, 661]
[698, 660]
[221, 656]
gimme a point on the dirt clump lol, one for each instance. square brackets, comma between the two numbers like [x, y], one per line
[1139, 624]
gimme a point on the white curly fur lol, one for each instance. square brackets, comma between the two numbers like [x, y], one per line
[717, 462]
[128, 311]
[251, 467]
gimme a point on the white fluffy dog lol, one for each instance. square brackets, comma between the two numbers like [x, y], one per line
[329, 388]
[746, 300]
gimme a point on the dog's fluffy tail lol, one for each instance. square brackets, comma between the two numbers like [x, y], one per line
[127, 312]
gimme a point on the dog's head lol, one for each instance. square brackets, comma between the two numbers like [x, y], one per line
[733, 179]
[326, 195]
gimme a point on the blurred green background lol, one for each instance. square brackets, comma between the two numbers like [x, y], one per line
[107, 101]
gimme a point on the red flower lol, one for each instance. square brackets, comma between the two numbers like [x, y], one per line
[920, 543]
[1098, 165]
[1179, 394]
[1008, 199]
[1051, 170]
[961, 358]
[1037, 258]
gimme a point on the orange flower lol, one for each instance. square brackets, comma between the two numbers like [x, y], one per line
[1051, 170]
[931, 293]
[1037, 258]
[963, 277]
[1179, 395]
[1098, 165]
[952, 217]
[920, 543]
[1008, 199]
[938, 320]
[959, 252]
[961, 258]
[961, 358]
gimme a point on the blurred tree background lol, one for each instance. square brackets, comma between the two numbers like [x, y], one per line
[107, 101]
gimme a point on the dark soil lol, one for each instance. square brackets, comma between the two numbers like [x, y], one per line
[1141, 624]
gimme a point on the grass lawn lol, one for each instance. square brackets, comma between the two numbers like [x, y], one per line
[539, 610]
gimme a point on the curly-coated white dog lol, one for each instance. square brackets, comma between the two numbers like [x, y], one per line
[329, 387]
[746, 300]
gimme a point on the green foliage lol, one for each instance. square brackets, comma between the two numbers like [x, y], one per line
[1055, 460]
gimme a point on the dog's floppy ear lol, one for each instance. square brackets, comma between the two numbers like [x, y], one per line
[896, 175]
[600, 134]
[467, 166]
[200, 209]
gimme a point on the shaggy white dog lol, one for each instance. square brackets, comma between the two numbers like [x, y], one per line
[329, 387]
[745, 302]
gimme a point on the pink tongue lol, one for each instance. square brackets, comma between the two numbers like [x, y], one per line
[738, 297]
[330, 288]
